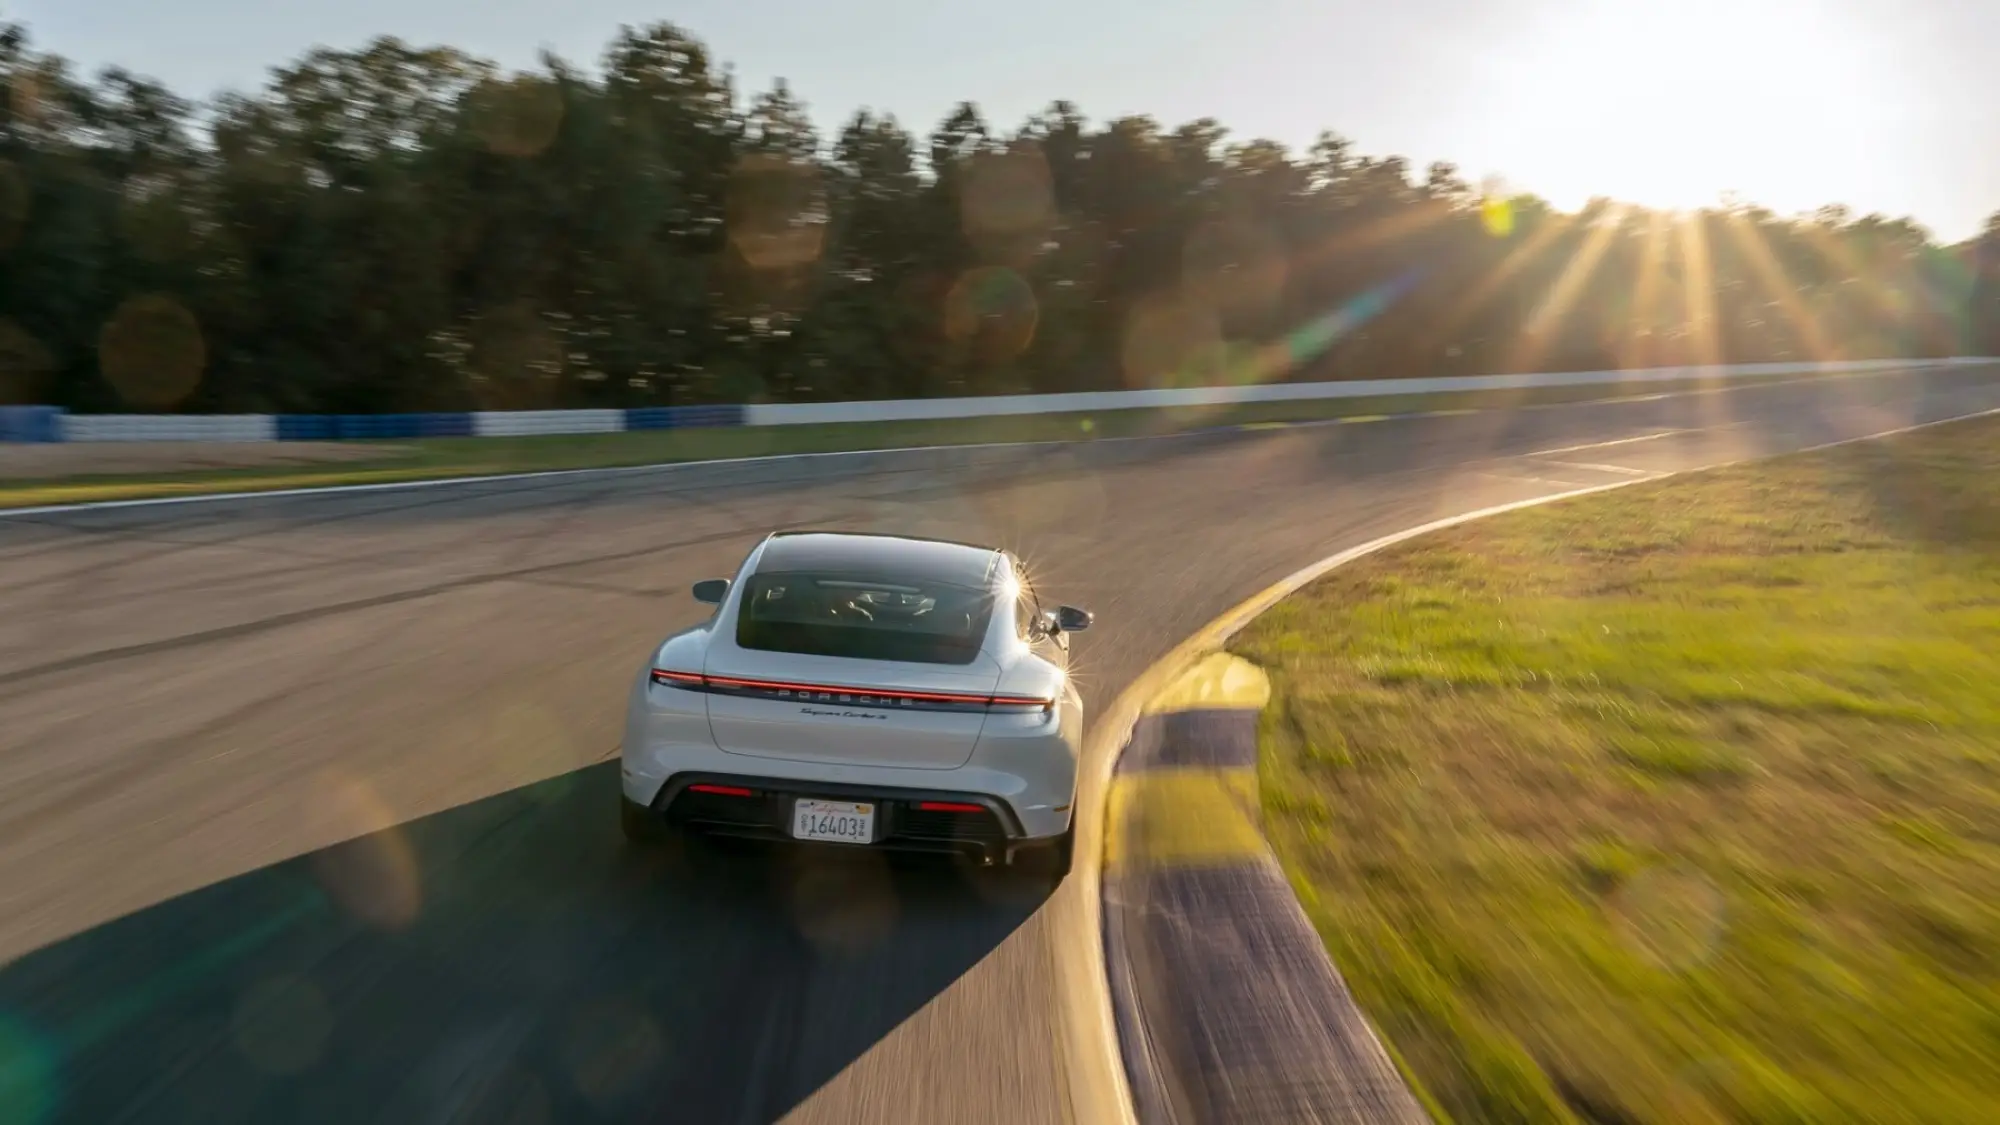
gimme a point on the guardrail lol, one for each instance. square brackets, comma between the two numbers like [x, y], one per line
[48, 423]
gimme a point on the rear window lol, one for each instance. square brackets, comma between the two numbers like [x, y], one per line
[903, 619]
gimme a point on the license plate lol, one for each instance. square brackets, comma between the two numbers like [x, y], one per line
[843, 822]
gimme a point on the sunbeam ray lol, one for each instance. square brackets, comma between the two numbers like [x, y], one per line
[1779, 288]
[1554, 307]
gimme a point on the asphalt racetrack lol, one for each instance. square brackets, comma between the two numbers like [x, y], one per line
[307, 804]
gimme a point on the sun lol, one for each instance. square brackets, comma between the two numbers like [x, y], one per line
[1670, 103]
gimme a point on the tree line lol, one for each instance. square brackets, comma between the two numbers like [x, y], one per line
[401, 228]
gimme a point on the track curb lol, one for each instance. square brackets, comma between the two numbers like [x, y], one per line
[1336, 1070]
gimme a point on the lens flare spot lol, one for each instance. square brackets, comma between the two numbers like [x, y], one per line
[611, 1048]
[28, 1075]
[511, 1097]
[282, 1024]
[1007, 203]
[1672, 918]
[1043, 505]
[1237, 268]
[1169, 342]
[373, 875]
[992, 311]
[776, 212]
[517, 116]
[842, 907]
[152, 351]
[1497, 216]
[1088, 425]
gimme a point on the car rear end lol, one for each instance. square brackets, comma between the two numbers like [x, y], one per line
[853, 690]
[973, 825]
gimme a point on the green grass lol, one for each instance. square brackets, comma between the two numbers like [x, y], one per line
[1676, 804]
[453, 457]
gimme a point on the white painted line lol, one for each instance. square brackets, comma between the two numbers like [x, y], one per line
[1604, 444]
[1897, 430]
[1615, 470]
[1518, 479]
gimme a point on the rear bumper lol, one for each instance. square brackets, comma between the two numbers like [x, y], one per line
[1036, 791]
[758, 807]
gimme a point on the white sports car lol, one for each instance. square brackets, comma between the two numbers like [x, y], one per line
[866, 690]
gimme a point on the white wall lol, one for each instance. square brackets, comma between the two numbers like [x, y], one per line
[520, 423]
[169, 427]
[804, 413]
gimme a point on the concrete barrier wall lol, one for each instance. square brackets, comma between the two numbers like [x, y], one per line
[42, 423]
[807, 413]
[523, 423]
[170, 427]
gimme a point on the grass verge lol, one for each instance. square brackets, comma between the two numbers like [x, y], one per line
[459, 457]
[1677, 804]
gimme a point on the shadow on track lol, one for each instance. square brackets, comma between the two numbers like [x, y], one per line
[506, 961]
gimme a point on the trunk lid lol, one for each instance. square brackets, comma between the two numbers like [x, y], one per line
[846, 711]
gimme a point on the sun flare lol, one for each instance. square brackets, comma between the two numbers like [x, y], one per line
[1671, 103]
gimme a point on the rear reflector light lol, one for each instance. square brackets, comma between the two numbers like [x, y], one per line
[949, 806]
[1020, 703]
[722, 790]
[884, 698]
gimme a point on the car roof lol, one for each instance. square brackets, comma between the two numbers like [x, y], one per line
[865, 554]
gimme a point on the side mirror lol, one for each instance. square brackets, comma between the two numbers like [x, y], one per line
[711, 590]
[1070, 619]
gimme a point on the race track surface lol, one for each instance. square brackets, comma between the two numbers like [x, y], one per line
[308, 806]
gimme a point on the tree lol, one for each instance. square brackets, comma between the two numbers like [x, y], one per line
[399, 227]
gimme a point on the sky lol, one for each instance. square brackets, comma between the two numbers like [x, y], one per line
[1883, 105]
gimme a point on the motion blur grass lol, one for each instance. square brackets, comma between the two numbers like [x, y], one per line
[1679, 803]
[442, 458]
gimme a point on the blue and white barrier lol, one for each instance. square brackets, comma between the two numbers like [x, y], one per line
[31, 423]
[48, 423]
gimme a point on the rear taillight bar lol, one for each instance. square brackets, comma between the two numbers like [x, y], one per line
[885, 699]
[950, 806]
[722, 790]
